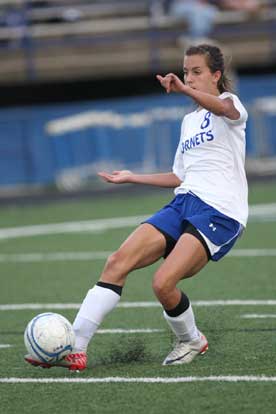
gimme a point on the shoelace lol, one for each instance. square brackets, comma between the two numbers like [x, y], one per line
[74, 357]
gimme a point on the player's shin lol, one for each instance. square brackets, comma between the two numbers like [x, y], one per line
[99, 301]
[181, 320]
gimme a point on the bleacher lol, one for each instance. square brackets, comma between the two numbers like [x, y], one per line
[67, 39]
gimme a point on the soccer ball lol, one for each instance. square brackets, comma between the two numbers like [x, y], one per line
[49, 337]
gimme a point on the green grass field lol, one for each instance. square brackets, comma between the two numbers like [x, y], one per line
[238, 346]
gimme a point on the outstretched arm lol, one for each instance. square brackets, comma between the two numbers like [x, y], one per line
[220, 107]
[125, 176]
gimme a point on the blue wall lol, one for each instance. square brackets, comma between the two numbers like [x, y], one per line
[29, 155]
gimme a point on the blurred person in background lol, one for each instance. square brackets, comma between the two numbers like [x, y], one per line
[252, 7]
[200, 16]
[247, 5]
[202, 222]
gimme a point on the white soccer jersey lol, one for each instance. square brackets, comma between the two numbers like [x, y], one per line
[210, 160]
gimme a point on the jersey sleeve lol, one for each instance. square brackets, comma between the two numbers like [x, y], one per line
[178, 165]
[239, 106]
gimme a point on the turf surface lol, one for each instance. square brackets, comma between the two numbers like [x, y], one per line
[238, 346]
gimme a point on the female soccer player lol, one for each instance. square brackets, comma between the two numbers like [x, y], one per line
[202, 222]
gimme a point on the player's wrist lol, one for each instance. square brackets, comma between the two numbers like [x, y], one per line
[134, 178]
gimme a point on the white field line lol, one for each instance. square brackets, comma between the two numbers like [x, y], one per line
[150, 380]
[127, 305]
[128, 331]
[54, 257]
[260, 212]
[4, 346]
[258, 315]
[102, 255]
[252, 253]
[92, 226]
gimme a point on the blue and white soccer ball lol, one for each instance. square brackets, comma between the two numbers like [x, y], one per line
[49, 337]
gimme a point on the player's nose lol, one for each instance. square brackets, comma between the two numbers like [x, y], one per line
[188, 80]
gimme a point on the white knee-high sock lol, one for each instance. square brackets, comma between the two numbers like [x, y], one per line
[98, 302]
[183, 325]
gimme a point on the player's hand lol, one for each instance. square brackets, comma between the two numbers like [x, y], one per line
[171, 83]
[116, 177]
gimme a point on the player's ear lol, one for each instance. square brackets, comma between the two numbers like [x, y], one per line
[216, 76]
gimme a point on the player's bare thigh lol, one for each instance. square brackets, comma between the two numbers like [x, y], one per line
[143, 247]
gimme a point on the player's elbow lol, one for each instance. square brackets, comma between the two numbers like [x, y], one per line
[228, 110]
[176, 180]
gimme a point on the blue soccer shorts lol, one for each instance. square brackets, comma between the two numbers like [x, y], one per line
[216, 230]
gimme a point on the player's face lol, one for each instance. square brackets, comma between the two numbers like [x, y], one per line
[198, 76]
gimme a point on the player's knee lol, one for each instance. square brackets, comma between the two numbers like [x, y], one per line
[161, 286]
[115, 266]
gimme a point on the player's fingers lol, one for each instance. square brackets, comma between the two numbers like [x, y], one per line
[105, 179]
[104, 175]
[164, 81]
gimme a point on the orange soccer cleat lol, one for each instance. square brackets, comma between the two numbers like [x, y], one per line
[73, 362]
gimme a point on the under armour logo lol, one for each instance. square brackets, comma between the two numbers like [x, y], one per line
[212, 227]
